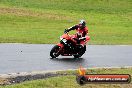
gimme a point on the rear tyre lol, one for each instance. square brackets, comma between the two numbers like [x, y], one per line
[81, 52]
[77, 56]
[55, 51]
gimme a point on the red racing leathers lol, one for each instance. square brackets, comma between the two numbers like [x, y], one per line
[81, 34]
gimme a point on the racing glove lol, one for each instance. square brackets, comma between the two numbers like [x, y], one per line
[66, 31]
[82, 38]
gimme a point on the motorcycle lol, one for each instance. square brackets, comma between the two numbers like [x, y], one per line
[68, 46]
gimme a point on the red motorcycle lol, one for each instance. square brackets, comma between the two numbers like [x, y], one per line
[68, 46]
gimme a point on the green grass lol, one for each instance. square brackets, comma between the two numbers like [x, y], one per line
[43, 21]
[70, 80]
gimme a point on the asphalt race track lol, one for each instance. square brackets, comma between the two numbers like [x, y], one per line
[35, 57]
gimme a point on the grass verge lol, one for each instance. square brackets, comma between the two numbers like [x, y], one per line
[69, 80]
[43, 21]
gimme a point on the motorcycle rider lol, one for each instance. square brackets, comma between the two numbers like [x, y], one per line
[81, 34]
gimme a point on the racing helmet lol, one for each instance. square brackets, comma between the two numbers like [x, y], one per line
[82, 23]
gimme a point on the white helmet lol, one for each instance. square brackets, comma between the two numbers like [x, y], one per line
[83, 23]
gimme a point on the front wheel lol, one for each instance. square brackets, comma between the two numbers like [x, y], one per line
[55, 51]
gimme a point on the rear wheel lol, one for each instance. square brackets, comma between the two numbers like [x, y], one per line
[55, 51]
[80, 53]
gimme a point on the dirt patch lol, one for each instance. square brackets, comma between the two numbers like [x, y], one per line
[4, 81]
[22, 12]
[8, 79]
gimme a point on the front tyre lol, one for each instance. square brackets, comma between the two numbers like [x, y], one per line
[55, 51]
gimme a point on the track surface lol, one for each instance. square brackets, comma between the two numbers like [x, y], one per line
[35, 57]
